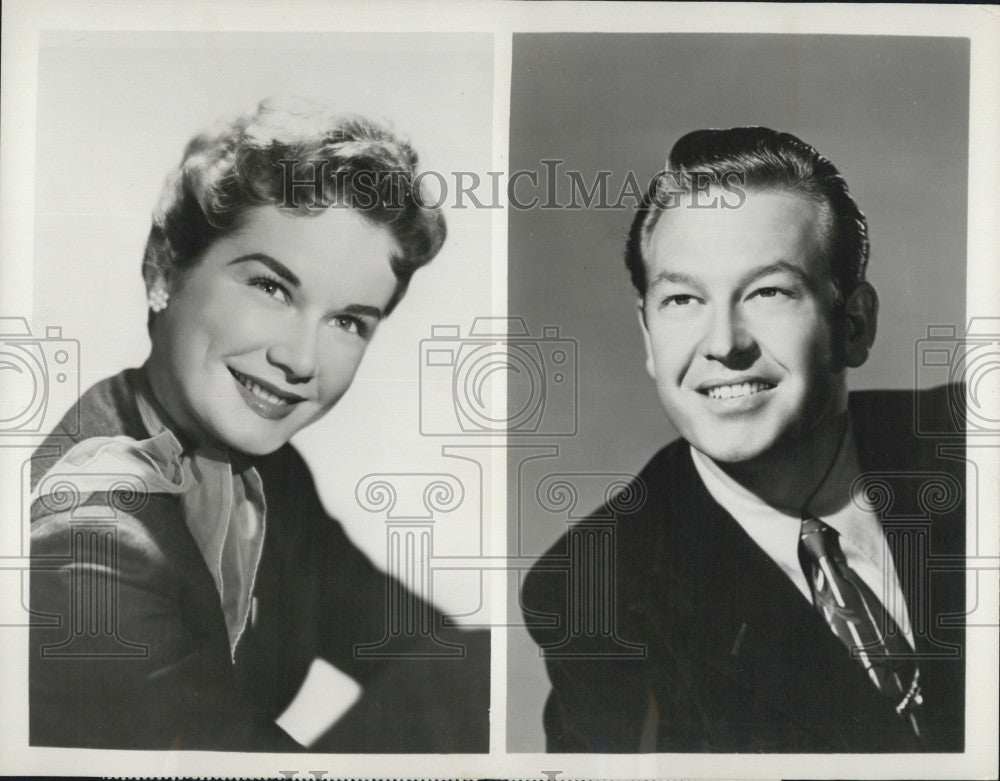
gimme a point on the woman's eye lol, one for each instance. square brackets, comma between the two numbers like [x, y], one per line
[350, 324]
[272, 287]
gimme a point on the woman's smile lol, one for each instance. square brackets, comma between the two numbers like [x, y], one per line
[263, 398]
[284, 302]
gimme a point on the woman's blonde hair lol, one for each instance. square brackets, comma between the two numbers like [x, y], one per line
[298, 155]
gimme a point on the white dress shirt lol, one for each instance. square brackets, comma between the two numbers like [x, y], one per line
[776, 530]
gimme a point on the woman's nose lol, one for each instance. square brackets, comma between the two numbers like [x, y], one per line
[296, 353]
[727, 338]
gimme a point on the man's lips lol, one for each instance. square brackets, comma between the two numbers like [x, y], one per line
[734, 389]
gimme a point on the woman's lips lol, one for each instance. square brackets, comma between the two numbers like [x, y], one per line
[265, 400]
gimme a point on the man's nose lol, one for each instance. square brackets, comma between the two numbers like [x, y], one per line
[727, 339]
[296, 352]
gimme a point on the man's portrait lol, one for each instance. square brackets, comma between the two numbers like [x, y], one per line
[765, 582]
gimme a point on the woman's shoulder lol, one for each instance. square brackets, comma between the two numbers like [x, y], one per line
[106, 409]
[100, 467]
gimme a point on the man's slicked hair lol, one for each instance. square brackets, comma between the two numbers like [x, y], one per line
[756, 158]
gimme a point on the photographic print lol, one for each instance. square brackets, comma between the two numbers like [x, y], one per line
[498, 390]
[709, 652]
[229, 221]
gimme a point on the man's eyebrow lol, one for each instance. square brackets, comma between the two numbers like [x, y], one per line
[775, 268]
[676, 277]
[276, 266]
[680, 278]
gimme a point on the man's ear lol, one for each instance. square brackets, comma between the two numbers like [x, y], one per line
[860, 324]
[650, 367]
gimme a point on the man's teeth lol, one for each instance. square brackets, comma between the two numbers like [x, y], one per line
[258, 391]
[735, 391]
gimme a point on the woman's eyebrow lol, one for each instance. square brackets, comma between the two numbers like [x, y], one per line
[364, 309]
[276, 266]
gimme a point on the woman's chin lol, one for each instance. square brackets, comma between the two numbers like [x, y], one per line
[252, 443]
[261, 450]
[258, 446]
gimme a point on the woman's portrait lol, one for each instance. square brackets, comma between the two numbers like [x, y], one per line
[280, 249]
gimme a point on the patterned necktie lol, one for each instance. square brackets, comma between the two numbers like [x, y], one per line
[859, 619]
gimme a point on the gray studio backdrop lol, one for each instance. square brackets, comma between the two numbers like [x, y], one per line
[892, 114]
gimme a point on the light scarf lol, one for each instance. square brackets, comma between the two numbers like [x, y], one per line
[223, 506]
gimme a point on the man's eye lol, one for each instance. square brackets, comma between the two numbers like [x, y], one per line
[770, 292]
[272, 287]
[680, 299]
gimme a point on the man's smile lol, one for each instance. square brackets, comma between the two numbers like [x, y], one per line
[736, 390]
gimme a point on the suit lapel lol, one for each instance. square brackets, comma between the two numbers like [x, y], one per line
[749, 625]
[924, 531]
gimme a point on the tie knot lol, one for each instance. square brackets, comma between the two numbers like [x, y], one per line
[819, 539]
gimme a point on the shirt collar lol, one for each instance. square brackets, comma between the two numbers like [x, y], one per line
[838, 501]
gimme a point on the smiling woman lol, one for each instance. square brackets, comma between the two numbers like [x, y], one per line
[278, 314]
[226, 579]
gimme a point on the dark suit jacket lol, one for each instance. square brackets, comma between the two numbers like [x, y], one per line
[130, 649]
[711, 648]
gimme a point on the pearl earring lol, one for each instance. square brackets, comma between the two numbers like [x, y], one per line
[158, 298]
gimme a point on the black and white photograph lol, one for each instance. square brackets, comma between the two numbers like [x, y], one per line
[785, 250]
[509, 389]
[232, 252]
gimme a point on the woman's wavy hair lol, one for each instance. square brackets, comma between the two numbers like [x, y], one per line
[304, 157]
[757, 158]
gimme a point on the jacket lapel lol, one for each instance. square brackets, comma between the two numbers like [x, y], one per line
[760, 645]
[923, 516]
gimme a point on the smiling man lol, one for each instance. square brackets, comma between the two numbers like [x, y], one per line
[765, 596]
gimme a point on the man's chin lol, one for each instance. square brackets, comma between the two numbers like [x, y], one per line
[730, 452]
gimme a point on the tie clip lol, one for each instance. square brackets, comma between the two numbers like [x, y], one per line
[913, 697]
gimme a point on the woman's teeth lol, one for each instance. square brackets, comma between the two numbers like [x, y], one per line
[258, 391]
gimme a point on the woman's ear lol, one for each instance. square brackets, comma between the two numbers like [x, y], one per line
[860, 324]
[157, 288]
[154, 278]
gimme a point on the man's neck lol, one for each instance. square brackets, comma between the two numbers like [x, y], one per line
[787, 477]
